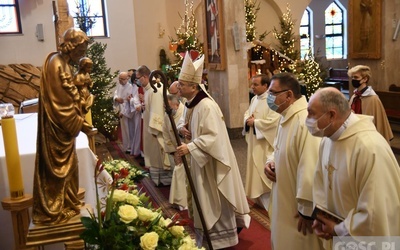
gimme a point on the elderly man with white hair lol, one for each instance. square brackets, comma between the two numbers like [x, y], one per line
[357, 175]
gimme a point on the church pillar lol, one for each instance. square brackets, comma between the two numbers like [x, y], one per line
[229, 87]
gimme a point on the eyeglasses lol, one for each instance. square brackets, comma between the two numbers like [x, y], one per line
[137, 78]
[123, 79]
[276, 92]
[182, 84]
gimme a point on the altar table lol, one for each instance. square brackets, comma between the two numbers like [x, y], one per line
[26, 125]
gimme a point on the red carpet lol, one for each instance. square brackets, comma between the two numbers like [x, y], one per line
[257, 237]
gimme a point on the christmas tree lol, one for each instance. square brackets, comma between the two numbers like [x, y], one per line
[251, 9]
[287, 42]
[307, 71]
[103, 116]
[310, 74]
[186, 40]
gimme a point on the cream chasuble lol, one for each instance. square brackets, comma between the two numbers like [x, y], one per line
[215, 174]
[365, 182]
[177, 193]
[169, 136]
[153, 118]
[260, 140]
[296, 153]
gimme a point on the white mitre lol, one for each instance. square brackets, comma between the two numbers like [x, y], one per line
[192, 69]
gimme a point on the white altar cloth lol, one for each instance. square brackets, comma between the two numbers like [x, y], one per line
[26, 125]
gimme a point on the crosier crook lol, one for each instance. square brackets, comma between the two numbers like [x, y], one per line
[168, 110]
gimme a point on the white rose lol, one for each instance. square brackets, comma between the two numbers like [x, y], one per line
[119, 166]
[177, 231]
[127, 213]
[119, 195]
[132, 199]
[149, 241]
[188, 244]
[185, 246]
[145, 214]
[164, 222]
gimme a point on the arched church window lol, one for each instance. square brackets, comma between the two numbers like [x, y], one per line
[10, 22]
[334, 31]
[305, 33]
[90, 16]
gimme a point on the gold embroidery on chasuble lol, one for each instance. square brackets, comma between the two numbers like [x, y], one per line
[158, 120]
[330, 170]
[188, 119]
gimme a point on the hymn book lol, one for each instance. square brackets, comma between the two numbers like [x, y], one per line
[319, 210]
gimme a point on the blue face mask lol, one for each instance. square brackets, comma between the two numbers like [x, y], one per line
[271, 102]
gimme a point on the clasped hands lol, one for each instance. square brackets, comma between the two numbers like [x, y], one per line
[250, 121]
[323, 227]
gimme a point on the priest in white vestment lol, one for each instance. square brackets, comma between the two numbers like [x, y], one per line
[213, 165]
[177, 192]
[122, 96]
[260, 125]
[292, 168]
[153, 140]
[357, 176]
[136, 125]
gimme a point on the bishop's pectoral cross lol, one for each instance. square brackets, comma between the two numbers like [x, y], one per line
[330, 170]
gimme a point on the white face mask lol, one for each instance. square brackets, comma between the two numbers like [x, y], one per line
[312, 125]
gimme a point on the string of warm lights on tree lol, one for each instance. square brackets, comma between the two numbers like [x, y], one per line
[186, 40]
[310, 74]
[103, 115]
[287, 41]
[307, 71]
[251, 9]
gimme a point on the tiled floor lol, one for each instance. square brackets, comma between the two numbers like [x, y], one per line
[240, 148]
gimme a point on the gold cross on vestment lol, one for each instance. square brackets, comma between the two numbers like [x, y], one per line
[330, 170]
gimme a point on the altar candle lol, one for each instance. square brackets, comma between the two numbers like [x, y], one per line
[12, 157]
[88, 117]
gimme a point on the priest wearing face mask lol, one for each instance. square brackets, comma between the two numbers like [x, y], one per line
[366, 101]
[357, 176]
[291, 168]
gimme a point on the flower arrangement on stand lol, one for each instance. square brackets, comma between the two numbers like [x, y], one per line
[129, 221]
[125, 174]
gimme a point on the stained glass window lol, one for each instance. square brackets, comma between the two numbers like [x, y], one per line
[10, 22]
[89, 15]
[334, 33]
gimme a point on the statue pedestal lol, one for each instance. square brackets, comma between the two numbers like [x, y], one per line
[20, 218]
[39, 235]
